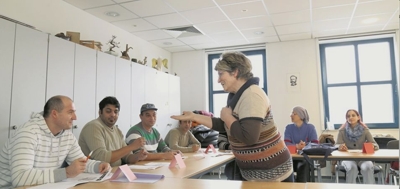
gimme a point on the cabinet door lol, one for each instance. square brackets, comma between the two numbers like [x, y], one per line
[123, 93]
[84, 87]
[105, 77]
[138, 91]
[60, 68]
[174, 103]
[29, 75]
[7, 37]
[156, 87]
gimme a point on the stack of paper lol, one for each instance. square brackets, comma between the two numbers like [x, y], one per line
[141, 178]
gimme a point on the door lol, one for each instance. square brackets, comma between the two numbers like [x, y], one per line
[84, 87]
[105, 77]
[60, 68]
[123, 93]
[29, 75]
[7, 37]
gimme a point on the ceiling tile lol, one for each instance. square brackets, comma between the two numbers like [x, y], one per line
[234, 43]
[205, 46]
[244, 10]
[204, 15]
[280, 6]
[365, 29]
[101, 13]
[183, 5]
[227, 36]
[326, 33]
[179, 48]
[392, 26]
[152, 35]
[227, 2]
[252, 22]
[89, 3]
[148, 7]
[134, 25]
[291, 17]
[297, 36]
[196, 39]
[168, 20]
[382, 19]
[122, 1]
[332, 12]
[331, 24]
[293, 28]
[330, 3]
[250, 33]
[215, 27]
[172, 43]
[269, 39]
[376, 7]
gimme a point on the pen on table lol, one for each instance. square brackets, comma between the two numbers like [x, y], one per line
[87, 158]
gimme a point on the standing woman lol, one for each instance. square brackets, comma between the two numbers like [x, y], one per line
[256, 143]
[298, 134]
[352, 135]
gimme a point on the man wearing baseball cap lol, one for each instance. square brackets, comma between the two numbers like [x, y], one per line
[155, 144]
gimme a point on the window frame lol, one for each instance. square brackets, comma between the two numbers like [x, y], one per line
[358, 83]
[213, 56]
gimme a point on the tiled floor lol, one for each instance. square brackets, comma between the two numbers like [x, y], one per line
[215, 176]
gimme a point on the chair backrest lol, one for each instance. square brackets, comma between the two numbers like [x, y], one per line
[393, 144]
[383, 141]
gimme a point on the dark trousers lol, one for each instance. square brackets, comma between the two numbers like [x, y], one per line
[302, 169]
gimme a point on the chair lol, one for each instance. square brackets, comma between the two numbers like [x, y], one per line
[393, 173]
[382, 143]
[377, 169]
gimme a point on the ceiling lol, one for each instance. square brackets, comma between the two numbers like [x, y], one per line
[222, 23]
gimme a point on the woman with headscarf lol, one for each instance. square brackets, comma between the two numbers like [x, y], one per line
[298, 134]
[352, 135]
[256, 143]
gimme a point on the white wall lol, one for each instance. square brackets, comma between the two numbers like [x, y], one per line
[55, 16]
[192, 67]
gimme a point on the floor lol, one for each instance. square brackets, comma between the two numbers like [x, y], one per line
[325, 179]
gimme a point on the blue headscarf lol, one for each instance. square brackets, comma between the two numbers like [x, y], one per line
[302, 113]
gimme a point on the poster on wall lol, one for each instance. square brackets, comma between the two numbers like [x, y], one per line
[293, 82]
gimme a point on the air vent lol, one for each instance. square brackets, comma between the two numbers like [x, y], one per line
[183, 31]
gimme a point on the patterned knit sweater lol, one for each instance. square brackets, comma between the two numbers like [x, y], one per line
[268, 159]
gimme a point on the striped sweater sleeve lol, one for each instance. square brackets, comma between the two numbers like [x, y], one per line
[22, 151]
[92, 166]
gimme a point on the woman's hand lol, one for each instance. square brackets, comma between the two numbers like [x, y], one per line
[187, 115]
[343, 148]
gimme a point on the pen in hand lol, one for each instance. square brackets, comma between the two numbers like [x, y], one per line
[87, 158]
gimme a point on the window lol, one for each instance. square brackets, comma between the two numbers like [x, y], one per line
[360, 75]
[217, 96]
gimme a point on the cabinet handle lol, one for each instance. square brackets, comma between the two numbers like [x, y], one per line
[169, 125]
[14, 127]
[75, 126]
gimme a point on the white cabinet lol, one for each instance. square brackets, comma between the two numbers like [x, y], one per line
[138, 91]
[156, 90]
[123, 93]
[105, 77]
[84, 87]
[7, 37]
[174, 96]
[29, 75]
[60, 68]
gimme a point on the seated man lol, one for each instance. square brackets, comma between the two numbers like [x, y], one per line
[155, 145]
[106, 140]
[182, 139]
[36, 152]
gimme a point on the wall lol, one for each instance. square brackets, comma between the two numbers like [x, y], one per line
[191, 67]
[55, 16]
